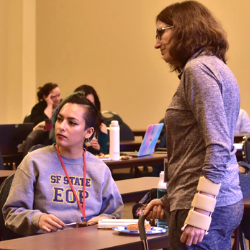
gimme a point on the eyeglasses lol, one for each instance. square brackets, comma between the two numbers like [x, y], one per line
[160, 31]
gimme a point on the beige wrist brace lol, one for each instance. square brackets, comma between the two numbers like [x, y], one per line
[202, 202]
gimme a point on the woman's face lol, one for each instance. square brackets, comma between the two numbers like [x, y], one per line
[55, 97]
[163, 44]
[91, 98]
[70, 129]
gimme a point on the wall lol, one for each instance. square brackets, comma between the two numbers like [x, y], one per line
[110, 45]
[17, 59]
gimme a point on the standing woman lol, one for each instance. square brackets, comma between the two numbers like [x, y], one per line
[202, 171]
[62, 183]
[49, 97]
[98, 144]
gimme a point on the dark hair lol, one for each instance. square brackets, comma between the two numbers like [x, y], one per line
[90, 90]
[45, 90]
[87, 90]
[194, 28]
[90, 114]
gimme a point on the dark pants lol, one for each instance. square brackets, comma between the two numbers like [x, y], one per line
[224, 221]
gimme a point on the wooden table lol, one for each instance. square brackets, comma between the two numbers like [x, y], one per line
[12, 159]
[132, 190]
[85, 238]
[130, 145]
[148, 160]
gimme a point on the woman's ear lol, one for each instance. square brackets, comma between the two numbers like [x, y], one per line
[89, 133]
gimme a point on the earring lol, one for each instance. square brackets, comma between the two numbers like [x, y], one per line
[87, 142]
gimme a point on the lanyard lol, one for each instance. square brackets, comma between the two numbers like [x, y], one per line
[82, 208]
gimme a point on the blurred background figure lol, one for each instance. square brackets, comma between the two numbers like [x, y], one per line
[243, 123]
[49, 97]
[99, 143]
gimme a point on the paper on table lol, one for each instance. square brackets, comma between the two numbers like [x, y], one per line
[109, 223]
[238, 145]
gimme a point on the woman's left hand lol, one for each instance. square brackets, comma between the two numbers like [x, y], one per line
[95, 145]
[192, 235]
[94, 220]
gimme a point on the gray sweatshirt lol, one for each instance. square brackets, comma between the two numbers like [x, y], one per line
[40, 186]
[200, 123]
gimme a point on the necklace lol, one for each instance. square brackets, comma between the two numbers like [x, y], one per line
[82, 208]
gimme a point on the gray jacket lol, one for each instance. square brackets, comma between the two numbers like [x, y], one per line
[200, 123]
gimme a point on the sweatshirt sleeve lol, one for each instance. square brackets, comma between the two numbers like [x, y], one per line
[18, 211]
[203, 93]
[112, 204]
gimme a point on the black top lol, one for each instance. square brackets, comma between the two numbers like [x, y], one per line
[37, 113]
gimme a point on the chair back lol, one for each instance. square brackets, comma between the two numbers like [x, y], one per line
[5, 233]
[245, 182]
[126, 133]
[244, 176]
[1, 162]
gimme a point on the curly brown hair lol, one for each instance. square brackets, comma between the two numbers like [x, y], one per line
[194, 28]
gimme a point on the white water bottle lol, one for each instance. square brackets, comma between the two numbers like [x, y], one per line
[114, 140]
[161, 191]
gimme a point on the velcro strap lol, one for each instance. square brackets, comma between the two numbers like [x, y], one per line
[207, 186]
[204, 202]
[198, 220]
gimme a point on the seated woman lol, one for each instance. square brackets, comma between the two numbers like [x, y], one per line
[49, 97]
[48, 187]
[99, 143]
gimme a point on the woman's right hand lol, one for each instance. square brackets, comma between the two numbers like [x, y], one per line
[154, 210]
[49, 100]
[49, 222]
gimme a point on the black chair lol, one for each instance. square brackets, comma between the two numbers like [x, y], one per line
[5, 233]
[244, 227]
[126, 134]
[27, 118]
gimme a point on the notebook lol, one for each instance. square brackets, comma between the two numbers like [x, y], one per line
[149, 141]
[11, 135]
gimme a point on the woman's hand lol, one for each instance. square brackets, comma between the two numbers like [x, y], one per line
[49, 222]
[94, 144]
[40, 125]
[49, 109]
[94, 220]
[49, 100]
[192, 235]
[154, 210]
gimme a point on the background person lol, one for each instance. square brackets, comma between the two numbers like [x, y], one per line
[49, 97]
[243, 123]
[99, 143]
[200, 124]
[41, 197]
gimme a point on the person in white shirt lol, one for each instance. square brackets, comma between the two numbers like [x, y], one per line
[243, 123]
